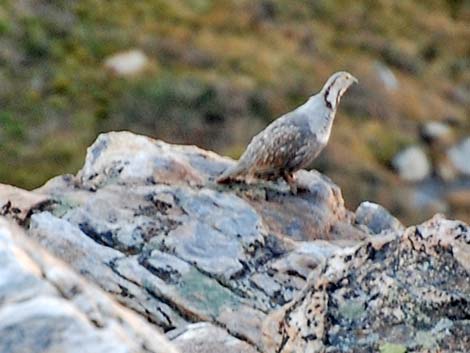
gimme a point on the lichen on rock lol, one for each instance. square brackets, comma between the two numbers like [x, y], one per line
[410, 293]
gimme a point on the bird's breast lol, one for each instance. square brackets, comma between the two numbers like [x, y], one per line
[320, 127]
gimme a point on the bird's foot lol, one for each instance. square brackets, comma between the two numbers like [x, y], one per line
[229, 184]
[290, 180]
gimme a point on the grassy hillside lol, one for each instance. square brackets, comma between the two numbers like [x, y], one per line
[221, 70]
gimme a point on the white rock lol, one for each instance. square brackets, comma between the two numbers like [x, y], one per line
[127, 63]
[387, 76]
[459, 155]
[412, 164]
[376, 218]
[436, 131]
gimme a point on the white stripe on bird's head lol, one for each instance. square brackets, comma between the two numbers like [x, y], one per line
[335, 87]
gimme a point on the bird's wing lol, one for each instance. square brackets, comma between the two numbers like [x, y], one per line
[275, 147]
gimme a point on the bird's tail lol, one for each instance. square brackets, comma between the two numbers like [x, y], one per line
[231, 173]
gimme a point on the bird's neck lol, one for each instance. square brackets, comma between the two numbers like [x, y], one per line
[320, 117]
[331, 93]
[322, 126]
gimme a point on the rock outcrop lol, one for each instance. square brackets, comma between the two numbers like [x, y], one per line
[391, 294]
[238, 268]
[47, 307]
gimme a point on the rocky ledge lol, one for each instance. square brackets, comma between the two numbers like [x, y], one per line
[142, 240]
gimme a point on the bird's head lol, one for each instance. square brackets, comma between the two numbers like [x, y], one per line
[335, 87]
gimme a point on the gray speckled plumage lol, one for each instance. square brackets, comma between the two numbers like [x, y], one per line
[295, 139]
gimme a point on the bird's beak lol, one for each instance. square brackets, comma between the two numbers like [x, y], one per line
[354, 79]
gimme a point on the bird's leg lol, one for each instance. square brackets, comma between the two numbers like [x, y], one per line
[290, 179]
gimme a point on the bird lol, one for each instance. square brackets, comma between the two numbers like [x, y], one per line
[294, 140]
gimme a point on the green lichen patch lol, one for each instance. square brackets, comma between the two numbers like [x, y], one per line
[392, 348]
[352, 310]
[205, 293]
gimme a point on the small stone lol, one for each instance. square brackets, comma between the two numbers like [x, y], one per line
[386, 76]
[127, 63]
[376, 218]
[460, 156]
[412, 164]
[436, 132]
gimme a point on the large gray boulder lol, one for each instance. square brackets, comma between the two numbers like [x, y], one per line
[145, 221]
[210, 266]
[46, 307]
[389, 294]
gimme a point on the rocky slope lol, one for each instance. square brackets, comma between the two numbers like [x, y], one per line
[234, 269]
